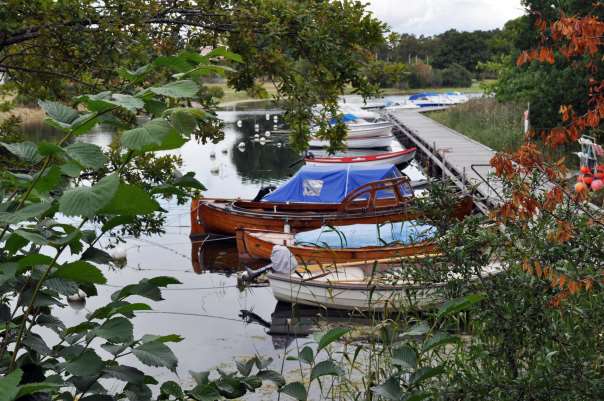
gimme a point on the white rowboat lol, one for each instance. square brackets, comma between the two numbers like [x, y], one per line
[357, 142]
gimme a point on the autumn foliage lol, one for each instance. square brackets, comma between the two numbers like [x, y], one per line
[578, 40]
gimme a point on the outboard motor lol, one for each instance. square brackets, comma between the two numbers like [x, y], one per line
[282, 262]
[263, 192]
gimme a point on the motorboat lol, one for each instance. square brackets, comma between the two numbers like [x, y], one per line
[397, 158]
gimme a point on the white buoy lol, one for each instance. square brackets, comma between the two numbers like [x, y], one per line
[241, 145]
[267, 134]
[275, 127]
[239, 123]
[262, 140]
[212, 155]
[256, 127]
[241, 148]
[268, 116]
[225, 151]
[78, 300]
[279, 144]
[275, 119]
[215, 170]
[119, 252]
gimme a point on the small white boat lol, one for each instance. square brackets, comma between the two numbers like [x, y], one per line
[396, 158]
[400, 105]
[363, 129]
[372, 285]
[383, 141]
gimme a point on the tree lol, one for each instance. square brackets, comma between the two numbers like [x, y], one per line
[464, 48]
[456, 75]
[310, 50]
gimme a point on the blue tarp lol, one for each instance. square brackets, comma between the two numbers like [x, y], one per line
[346, 118]
[361, 235]
[330, 184]
[422, 95]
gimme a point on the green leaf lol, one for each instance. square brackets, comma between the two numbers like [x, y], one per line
[419, 329]
[183, 121]
[178, 89]
[306, 355]
[205, 392]
[118, 329]
[136, 75]
[9, 385]
[390, 389]
[7, 272]
[295, 390]
[189, 181]
[88, 363]
[245, 368]
[438, 339]
[325, 368]
[130, 200]
[459, 304]
[87, 201]
[416, 397]
[156, 353]
[97, 256]
[49, 180]
[26, 213]
[154, 135]
[71, 169]
[27, 151]
[33, 388]
[116, 222]
[148, 288]
[223, 52]
[62, 286]
[170, 338]
[128, 102]
[50, 149]
[171, 388]
[87, 155]
[125, 373]
[58, 111]
[31, 236]
[426, 373]
[331, 336]
[273, 376]
[201, 378]
[80, 272]
[84, 123]
[405, 357]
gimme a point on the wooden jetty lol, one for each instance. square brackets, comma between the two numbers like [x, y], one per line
[463, 160]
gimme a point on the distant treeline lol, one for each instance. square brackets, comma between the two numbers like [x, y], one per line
[452, 58]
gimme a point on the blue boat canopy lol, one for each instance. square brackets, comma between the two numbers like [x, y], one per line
[346, 118]
[422, 95]
[331, 184]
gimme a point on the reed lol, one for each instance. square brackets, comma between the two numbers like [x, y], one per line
[492, 123]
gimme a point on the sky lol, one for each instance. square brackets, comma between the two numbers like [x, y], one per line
[430, 17]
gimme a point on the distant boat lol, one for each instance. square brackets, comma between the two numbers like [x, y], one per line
[396, 158]
[400, 105]
[429, 99]
[358, 242]
[357, 142]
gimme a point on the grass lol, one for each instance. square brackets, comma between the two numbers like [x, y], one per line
[475, 88]
[494, 124]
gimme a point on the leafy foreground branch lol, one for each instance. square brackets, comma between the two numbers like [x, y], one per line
[45, 257]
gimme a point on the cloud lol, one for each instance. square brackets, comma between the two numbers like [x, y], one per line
[430, 17]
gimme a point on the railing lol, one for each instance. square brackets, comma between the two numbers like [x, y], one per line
[354, 201]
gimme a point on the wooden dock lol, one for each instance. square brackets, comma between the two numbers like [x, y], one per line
[463, 160]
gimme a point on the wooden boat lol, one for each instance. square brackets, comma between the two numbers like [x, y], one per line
[363, 286]
[357, 142]
[259, 244]
[225, 216]
[396, 158]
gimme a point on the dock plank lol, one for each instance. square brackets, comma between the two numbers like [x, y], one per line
[464, 157]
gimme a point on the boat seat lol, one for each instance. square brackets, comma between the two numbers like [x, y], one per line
[346, 274]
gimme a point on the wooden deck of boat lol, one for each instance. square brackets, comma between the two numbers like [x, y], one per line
[460, 158]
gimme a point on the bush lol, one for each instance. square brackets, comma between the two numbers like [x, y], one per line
[421, 75]
[457, 75]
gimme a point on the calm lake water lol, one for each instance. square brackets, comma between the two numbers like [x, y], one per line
[219, 322]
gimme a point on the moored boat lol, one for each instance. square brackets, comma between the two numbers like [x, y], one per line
[365, 286]
[396, 158]
[357, 142]
[315, 196]
[360, 242]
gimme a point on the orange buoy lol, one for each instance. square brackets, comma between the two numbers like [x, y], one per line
[580, 187]
[587, 179]
[585, 170]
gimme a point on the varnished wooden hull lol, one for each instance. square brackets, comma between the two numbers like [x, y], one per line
[216, 216]
[259, 245]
